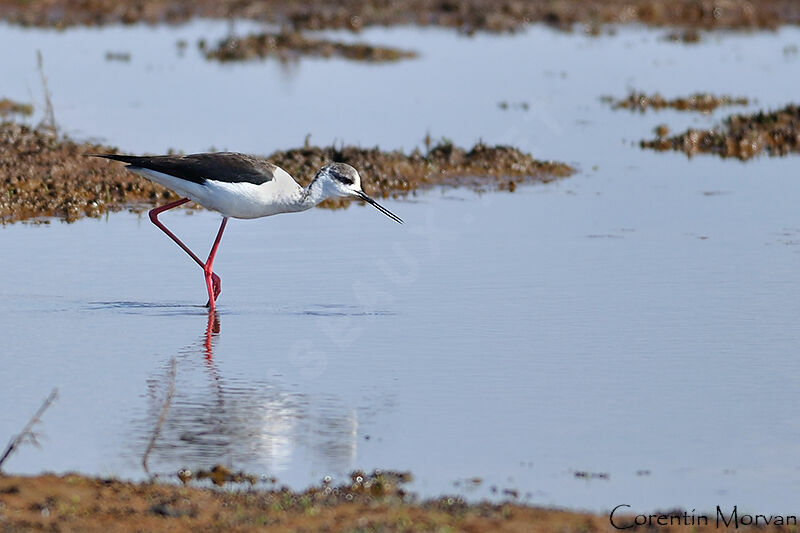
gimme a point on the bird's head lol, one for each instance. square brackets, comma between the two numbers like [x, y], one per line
[342, 181]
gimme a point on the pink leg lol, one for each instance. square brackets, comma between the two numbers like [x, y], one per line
[213, 283]
[215, 280]
[154, 219]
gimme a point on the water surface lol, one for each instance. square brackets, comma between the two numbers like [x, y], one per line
[635, 320]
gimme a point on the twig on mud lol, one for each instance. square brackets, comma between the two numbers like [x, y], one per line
[27, 434]
[48, 122]
[163, 417]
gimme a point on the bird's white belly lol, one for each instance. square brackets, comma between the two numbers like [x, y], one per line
[245, 200]
[236, 200]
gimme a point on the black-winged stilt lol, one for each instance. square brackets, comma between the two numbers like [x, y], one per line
[239, 186]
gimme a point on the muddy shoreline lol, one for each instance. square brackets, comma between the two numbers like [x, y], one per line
[44, 175]
[77, 503]
[465, 15]
[371, 503]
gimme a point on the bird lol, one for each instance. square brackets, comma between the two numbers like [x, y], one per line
[239, 186]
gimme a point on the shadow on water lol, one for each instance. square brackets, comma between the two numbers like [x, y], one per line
[158, 308]
[334, 310]
[239, 421]
[186, 309]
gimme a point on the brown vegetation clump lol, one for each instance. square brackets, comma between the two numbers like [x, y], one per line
[290, 45]
[395, 173]
[703, 102]
[740, 136]
[10, 107]
[43, 175]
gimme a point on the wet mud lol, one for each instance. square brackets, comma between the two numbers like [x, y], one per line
[43, 175]
[776, 133]
[702, 102]
[288, 46]
[466, 15]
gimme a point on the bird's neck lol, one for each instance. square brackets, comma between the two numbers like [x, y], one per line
[312, 195]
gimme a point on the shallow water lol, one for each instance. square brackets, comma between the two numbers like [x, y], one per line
[635, 320]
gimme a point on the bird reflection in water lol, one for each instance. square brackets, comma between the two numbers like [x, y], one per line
[253, 424]
[212, 330]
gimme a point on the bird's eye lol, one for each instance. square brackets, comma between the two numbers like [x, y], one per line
[345, 179]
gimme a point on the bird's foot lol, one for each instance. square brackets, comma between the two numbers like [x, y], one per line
[216, 285]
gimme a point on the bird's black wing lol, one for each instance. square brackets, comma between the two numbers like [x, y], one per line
[230, 167]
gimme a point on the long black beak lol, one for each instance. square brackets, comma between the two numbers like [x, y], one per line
[379, 207]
